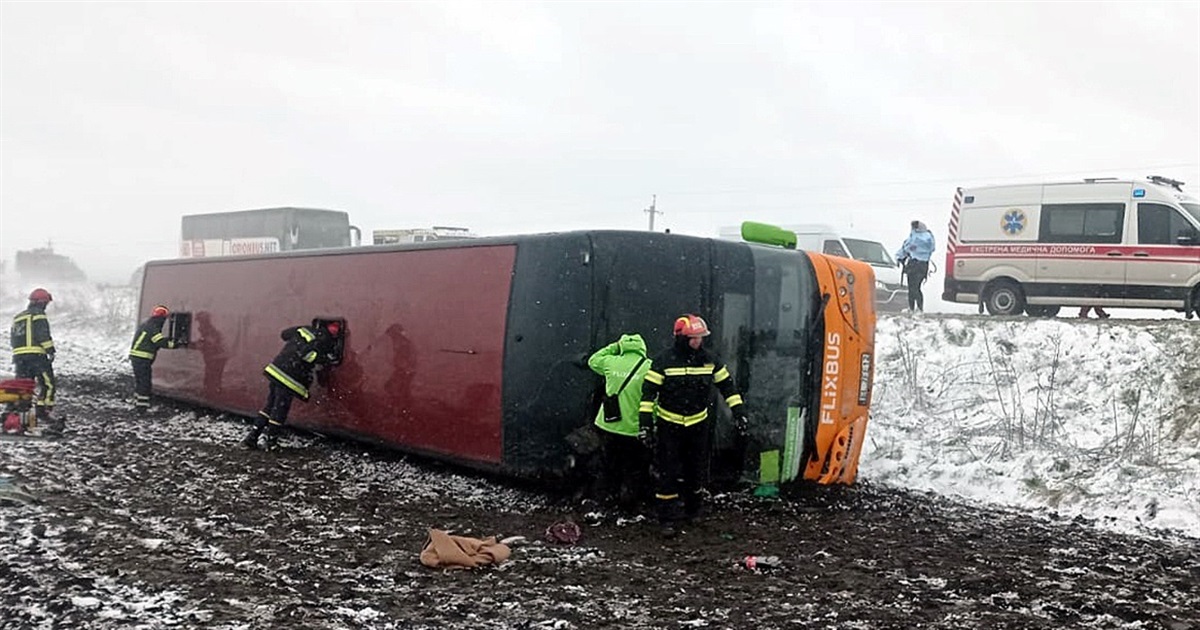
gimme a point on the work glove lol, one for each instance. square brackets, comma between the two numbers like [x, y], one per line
[741, 421]
[646, 430]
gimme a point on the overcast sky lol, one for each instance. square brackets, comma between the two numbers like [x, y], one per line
[117, 119]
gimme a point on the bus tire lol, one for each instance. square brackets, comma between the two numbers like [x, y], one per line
[1192, 308]
[1004, 297]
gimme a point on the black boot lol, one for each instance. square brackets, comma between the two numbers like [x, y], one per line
[251, 439]
[272, 439]
[52, 426]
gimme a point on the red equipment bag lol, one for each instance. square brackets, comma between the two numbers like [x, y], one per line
[12, 423]
[17, 392]
[18, 386]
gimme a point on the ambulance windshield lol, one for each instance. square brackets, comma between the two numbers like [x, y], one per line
[1193, 209]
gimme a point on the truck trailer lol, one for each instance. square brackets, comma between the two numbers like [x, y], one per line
[473, 351]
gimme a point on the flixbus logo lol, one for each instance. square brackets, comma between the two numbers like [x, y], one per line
[829, 386]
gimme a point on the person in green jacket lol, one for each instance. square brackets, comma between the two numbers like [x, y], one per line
[625, 469]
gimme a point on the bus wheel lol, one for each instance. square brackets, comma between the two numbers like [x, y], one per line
[1004, 297]
[1193, 309]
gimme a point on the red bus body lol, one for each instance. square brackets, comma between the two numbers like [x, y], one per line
[470, 350]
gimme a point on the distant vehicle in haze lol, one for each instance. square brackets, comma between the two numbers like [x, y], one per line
[265, 231]
[890, 292]
[419, 235]
[42, 264]
[1034, 248]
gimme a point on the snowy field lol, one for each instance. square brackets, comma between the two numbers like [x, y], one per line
[1091, 418]
[1098, 418]
[1019, 474]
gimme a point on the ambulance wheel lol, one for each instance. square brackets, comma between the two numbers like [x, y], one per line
[1004, 297]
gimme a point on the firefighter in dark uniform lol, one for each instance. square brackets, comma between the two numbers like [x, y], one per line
[290, 374]
[147, 341]
[676, 393]
[33, 354]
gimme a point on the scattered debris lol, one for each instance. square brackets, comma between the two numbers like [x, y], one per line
[444, 551]
[11, 492]
[564, 532]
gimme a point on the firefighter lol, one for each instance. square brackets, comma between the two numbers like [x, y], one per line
[625, 466]
[147, 341]
[672, 415]
[33, 354]
[305, 349]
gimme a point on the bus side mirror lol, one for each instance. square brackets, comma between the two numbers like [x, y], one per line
[179, 328]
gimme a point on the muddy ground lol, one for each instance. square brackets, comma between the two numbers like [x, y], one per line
[161, 522]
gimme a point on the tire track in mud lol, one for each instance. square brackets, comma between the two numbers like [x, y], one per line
[161, 522]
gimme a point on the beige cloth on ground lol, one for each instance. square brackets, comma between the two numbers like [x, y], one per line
[443, 551]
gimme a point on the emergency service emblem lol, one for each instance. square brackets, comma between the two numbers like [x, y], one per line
[1013, 222]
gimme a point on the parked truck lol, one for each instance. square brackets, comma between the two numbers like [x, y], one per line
[470, 350]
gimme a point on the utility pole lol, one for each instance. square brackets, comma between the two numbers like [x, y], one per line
[652, 210]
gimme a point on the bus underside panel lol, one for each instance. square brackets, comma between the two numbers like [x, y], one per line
[423, 350]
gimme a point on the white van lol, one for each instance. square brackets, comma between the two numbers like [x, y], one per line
[1099, 242]
[890, 294]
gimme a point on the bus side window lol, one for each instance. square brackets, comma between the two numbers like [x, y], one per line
[339, 345]
[835, 248]
[179, 328]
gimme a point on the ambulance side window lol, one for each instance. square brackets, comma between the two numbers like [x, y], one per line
[1082, 223]
[1161, 225]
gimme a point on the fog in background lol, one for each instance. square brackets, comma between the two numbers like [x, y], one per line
[117, 119]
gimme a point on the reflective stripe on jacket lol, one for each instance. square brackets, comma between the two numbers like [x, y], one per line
[303, 350]
[148, 339]
[679, 383]
[30, 333]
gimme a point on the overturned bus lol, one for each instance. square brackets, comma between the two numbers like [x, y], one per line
[471, 351]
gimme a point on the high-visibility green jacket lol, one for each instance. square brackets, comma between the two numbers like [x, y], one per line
[614, 362]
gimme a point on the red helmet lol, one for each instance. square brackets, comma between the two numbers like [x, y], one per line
[159, 311]
[691, 326]
[334, 328]
[40, 295]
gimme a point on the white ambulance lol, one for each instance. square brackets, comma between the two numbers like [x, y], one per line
[1098, 242]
